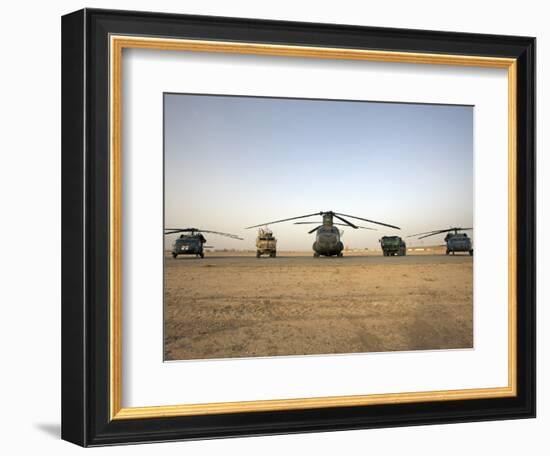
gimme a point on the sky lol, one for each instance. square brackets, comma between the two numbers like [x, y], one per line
[233, 161]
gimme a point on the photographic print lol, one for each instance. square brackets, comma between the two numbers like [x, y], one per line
[321, 212]
[312, 226]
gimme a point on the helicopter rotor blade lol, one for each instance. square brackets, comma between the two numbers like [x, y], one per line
[426, 232]
[370, 221]
[283, 220]
[198, 230]
[314, 229]
[178, 230]
[433, 233]
[347, 222]
[454, 228]
[219, 233]
[339, 224]
[334, 214]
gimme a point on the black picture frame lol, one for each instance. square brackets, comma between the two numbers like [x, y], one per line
[85, 228]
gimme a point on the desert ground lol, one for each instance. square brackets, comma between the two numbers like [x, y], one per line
[231, 304]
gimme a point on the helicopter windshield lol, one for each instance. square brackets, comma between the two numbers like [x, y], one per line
[328, 230]
[186, 240]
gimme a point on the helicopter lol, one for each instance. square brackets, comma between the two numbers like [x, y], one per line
[456, 241]
[191, 241]
[327, 240]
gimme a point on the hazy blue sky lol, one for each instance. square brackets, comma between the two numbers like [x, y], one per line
[232, 162]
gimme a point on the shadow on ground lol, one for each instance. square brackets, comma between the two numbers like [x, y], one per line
[51, 429]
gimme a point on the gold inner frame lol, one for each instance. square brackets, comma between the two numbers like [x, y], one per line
[117, 44]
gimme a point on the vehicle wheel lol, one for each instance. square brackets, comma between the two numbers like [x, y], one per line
[273, 254]
[201, 255]
[447, 252]
[258, 254]
[174, 255]
[315, 255]
[340, 255]
[472, 252]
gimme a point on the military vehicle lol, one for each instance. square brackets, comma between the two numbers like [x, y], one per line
[455, 241]
[327, 240]
[191, 241]
[266, 244]
[393, 245]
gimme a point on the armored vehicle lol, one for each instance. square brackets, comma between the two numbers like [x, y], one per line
[191, 241]
[393, 245]
[266, 244]
[327, 235]
[455, 241]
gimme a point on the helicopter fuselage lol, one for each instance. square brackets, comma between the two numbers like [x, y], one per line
[459, 242]
[327, 241]
[191, 244]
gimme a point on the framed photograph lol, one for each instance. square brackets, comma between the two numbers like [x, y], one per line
[277, 227]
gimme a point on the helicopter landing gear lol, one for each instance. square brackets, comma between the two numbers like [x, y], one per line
[472, 252]
[447, 252]
[174, 255]
[316, 255]
[258, 254]
[340, 255]
[273, 254]
[201, 254]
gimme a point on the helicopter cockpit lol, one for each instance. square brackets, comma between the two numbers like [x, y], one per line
[328, 231]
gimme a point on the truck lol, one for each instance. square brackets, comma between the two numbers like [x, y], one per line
[266, 244]
[393, 245]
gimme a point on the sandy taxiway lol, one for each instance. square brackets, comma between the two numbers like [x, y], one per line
[235, 305]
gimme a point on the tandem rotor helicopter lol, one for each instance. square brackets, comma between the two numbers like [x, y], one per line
[327, 239]
[191, 241]
[455, 240]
